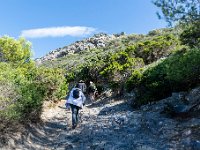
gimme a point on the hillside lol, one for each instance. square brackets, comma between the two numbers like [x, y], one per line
[100, 40]
[98, 43]
[141, 91]
[125, 63]
[148, 94]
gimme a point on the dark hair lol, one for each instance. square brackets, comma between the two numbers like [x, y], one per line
[77, 86]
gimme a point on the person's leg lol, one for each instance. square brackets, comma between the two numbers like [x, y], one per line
[96, 94]
[74, 116]
[77, 115]
[91, 97]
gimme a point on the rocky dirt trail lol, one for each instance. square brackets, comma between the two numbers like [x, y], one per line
[110, 124]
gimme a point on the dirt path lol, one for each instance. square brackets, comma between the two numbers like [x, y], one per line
[110, 125]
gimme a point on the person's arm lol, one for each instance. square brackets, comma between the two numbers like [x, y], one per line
[69, 95]
[66, 98]
[71, 92]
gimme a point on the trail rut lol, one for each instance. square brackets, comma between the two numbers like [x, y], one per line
[110, 124]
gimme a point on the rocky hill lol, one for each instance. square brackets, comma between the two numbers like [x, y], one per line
[153, 73]
[97, 41]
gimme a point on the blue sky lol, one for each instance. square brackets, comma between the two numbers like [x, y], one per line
[50, 24]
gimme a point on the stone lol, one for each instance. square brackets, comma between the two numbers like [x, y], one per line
[97, 41]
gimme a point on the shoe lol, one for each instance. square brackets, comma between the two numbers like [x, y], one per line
[74, 126]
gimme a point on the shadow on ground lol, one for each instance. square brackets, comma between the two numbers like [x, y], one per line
[122, 107]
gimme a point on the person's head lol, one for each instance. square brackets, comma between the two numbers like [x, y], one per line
[77, 86]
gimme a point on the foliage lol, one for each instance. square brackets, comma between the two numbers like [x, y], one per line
[8, 90]
[154, 48]
[178, 72]
[179, 10]
[14, 51]
[191, 34]
[25, 93]
[23, 86]
[134, 79]
[187, 14]
[120, 65]
[115, 63]
[53, 81]
[152, 65]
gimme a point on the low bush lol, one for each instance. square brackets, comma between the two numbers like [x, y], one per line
[178, 72]
[23, 86]
[23, 94]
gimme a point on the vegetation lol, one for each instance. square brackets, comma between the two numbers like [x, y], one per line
[185, 11]
[179, 72]
[116, 62]
[152, 66]
[191, 34]
[23, 86]
[186, 14]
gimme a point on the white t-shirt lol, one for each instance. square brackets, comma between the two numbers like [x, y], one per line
[76, 101]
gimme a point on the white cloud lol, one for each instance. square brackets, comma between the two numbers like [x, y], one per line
[77, 31]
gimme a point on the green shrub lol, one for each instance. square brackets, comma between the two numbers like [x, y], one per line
[155, 48]
[22, 93]
[134, 80]
[53, 81]
[14, 51]
[178, 72]
[184, 69]
[191, 34]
